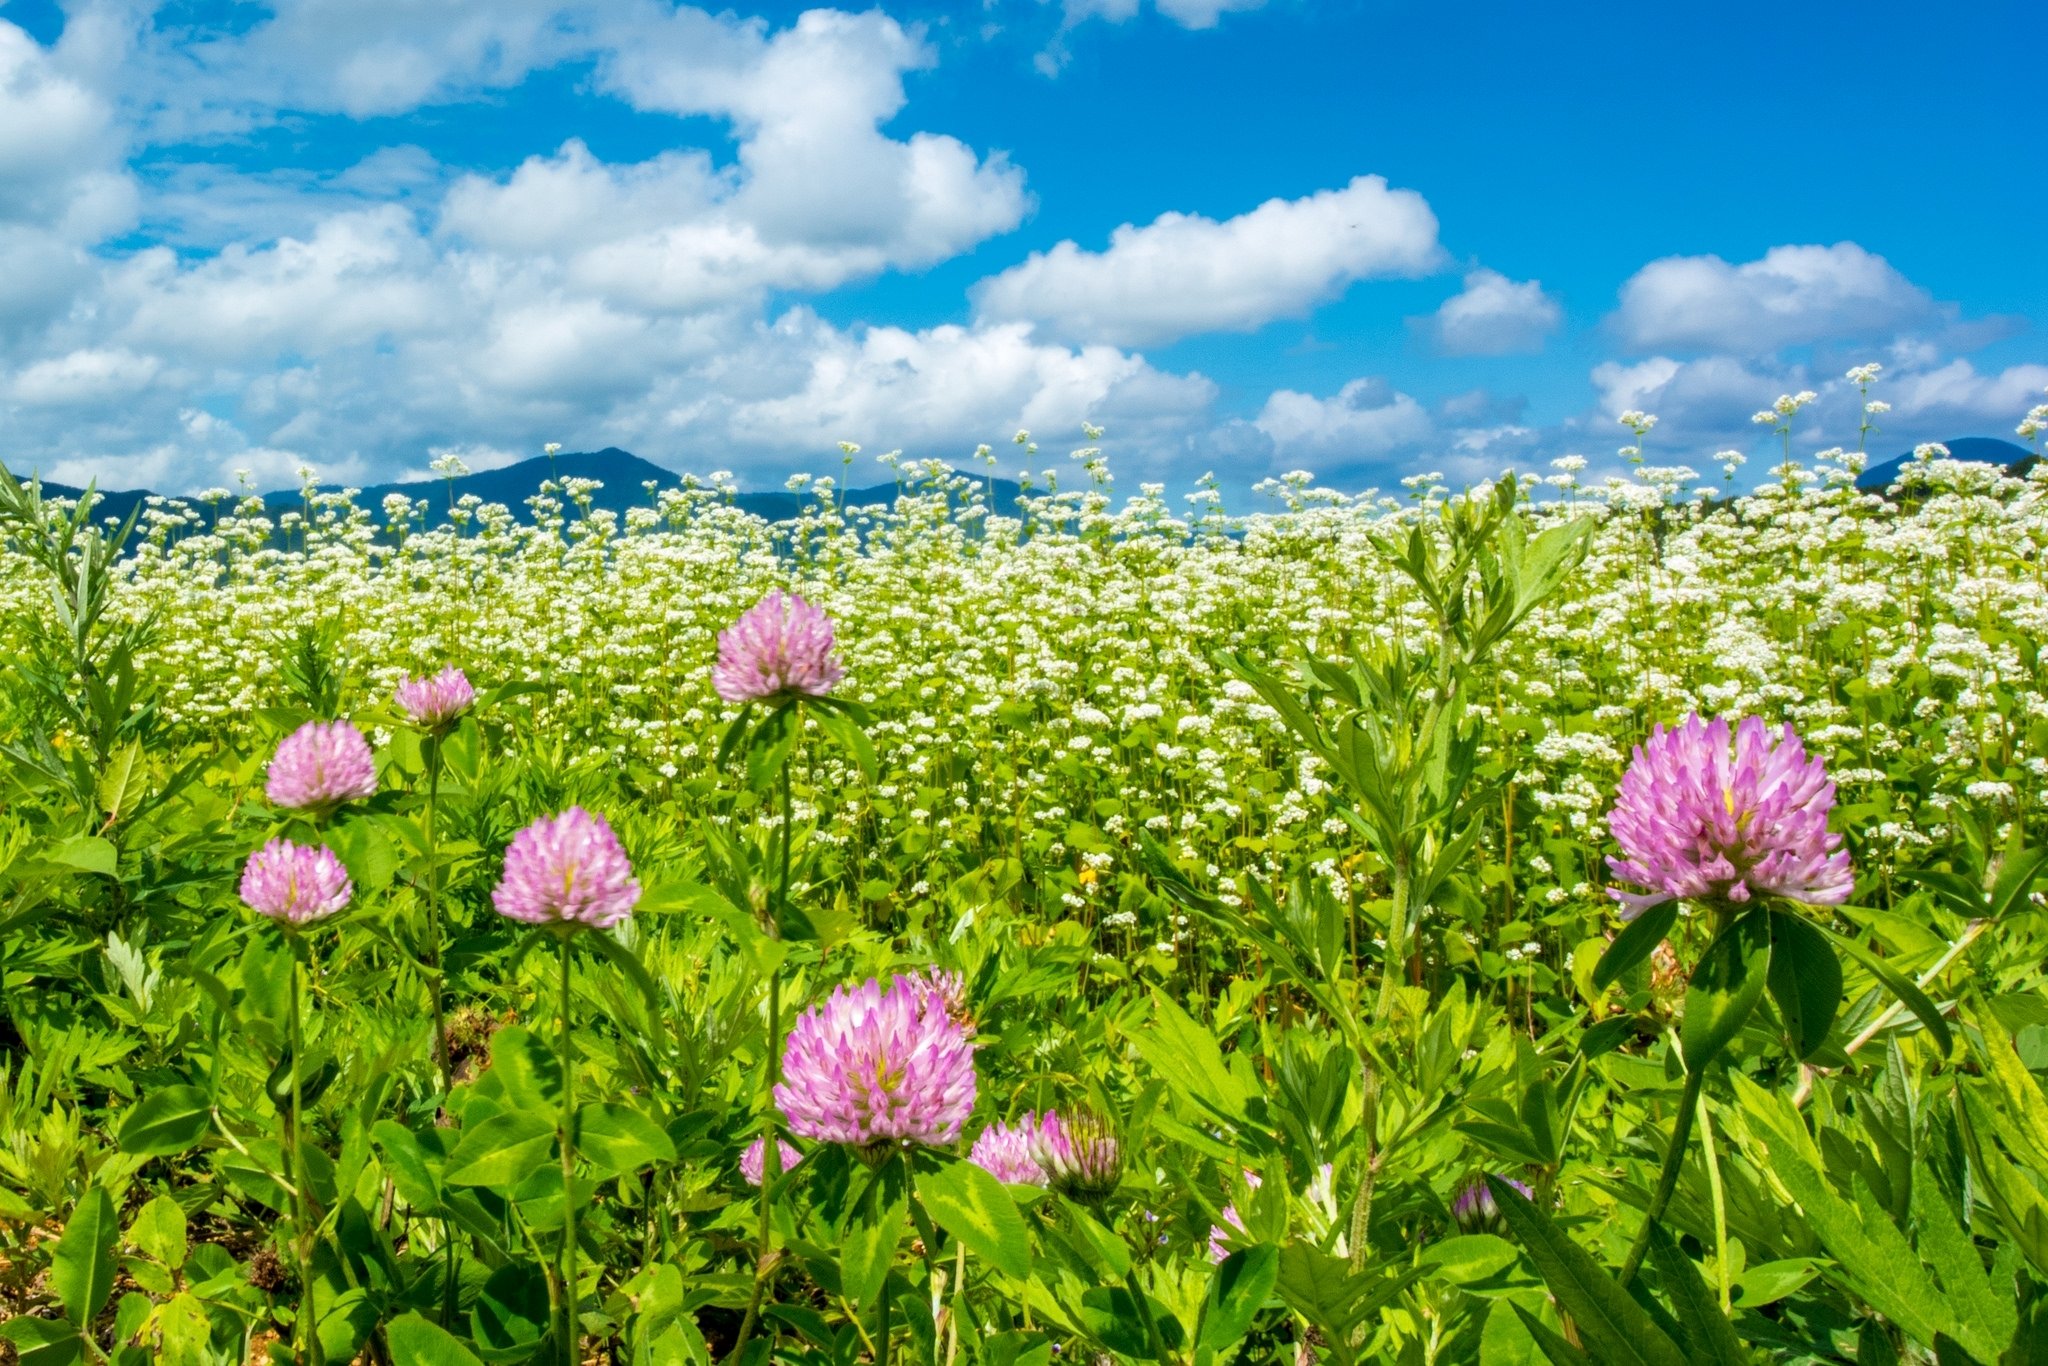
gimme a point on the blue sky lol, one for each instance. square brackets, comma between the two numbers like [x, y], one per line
[1363, 239]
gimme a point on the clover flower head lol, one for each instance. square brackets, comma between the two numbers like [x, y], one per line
[436, 701]
[1081, 1153]
[321, 764]
[754, 1161]
[781, 647]
[1702, 820]
[876, 1068]
[1009, 1152]
[295, 883]
[567, 870]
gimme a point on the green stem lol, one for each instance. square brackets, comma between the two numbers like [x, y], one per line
[306, 1326]
[771, 1138]
[1667, 1179]
[882, 1337]
[1396, 956]
[434, 945]
[566, 1136]
[436, 987]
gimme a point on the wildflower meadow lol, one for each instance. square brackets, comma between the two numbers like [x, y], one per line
[1560, 920]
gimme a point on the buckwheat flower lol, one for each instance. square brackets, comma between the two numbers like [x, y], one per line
[435, 703]
[1697, 821]
[1474, 1209]
[321, 764]
[877, 1067]
[295, 883]
[754, 1161]
[567, 870]
[1082, 1156]
[1008, 1152]
[780, 647]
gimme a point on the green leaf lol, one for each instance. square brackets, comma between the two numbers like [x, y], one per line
[626, 962]
[1237, 1289]
[509, 1318]
[1636, 942]
[501, 1151]
[618, 1139]
[975, 1208]
[418, 1342]
[1188, 1057]
[44, 1342]
[1806, 981]
[82, 1268]
[769, 745]
[167, 1122]
[1613, 1326]
[1709, 1337]
[1726, 986]
[159, 1231]
[1560, 1352]
[1324, 1290]
[1902, 987]
[122, 782]
[87, 853]
[867, 1244]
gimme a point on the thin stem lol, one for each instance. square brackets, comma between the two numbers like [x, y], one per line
[1667, 1179]
[771, 1138]
[1706, 1123]
[306, 1326]
[1396, 953]
[436, 987]
[882, 1336]
[566, 1136]
[1804, 1091]
[434, 944]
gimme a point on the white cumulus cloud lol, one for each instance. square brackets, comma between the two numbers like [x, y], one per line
[1365, 418]
[1183, 274]
[1494, 316]
[1792, 296]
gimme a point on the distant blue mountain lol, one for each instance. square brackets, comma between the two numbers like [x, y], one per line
[1980, 450]
[623, 475]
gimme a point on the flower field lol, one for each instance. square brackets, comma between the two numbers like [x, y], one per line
[1553, 922]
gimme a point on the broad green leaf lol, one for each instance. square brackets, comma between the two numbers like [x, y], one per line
[1636, 942]
[975, 1208]
[1188, 1058]
[1237, 1290]
[87, 853]
[419, 1342]
[43, 1342]
[82, 1268]
[1556, 1348]
[501, 1151]
[1805, 979]
[510, 1316]
[167, 1122]
[1470, 1257]
[1983, 1309]
[874, 1226]
[122, 782]
[1726, 985]
[1613, 1326]
[617, 1139]
[159, 1231]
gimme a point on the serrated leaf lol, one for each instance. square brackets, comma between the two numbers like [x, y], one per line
[122, 783]
[1709, 1337]
[1613, 1326]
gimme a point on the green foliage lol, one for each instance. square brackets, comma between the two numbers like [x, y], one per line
[1277, 839]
